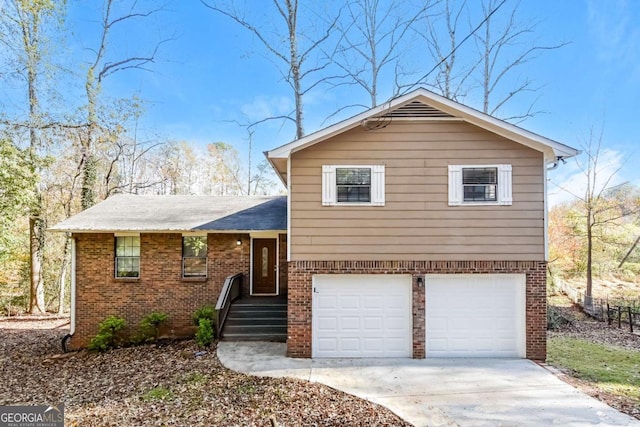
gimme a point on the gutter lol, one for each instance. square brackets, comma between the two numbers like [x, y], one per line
[72, 329]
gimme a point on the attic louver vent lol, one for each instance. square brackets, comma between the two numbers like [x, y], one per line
[415, 109]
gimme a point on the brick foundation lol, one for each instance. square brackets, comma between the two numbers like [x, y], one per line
[300, 284]
[160, 286]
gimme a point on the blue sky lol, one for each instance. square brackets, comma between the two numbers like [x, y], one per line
[214, 72]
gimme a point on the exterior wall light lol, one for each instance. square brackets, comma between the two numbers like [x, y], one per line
[239, 242]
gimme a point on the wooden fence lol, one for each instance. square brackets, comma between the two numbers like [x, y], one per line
[621, 312]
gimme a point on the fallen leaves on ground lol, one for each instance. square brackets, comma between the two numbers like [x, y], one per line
[162, 384]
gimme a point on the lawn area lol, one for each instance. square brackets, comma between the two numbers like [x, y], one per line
[168, 383]
[611, 369]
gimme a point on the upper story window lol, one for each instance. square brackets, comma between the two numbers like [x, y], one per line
[194, 256]
[354, 185]
[128, 256]
[480, 185]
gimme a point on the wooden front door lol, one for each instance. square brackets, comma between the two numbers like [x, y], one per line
[264, 266]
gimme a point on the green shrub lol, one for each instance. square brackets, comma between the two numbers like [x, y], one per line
[150, 325]
[107, 334]
[205, 312]
[205, 335]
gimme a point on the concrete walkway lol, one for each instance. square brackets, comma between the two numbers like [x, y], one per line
[438, 392]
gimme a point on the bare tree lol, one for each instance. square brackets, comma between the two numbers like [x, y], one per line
[601, 203]
[452, 79]
[502, 49]
[24, 25]
[502, 46]
[295, 49]
[99, 69]
[371, 40]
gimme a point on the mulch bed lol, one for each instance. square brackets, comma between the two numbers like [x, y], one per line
[168, 383]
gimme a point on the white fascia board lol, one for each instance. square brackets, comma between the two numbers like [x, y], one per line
[551, 149]
[302, 143]
[275, 169]
[497, 126]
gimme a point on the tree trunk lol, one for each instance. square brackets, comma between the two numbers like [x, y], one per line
[36, 239]
[63, 275]
[629, 252]
[588, 292]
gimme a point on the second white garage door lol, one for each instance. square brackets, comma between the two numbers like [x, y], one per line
[475, 315]
[361, 315]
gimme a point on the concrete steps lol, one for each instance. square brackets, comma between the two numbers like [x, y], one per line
[254, 319]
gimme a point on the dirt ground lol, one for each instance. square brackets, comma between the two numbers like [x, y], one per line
[161, 384]
[608, 286]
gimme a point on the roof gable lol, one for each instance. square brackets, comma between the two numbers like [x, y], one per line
[422, 104]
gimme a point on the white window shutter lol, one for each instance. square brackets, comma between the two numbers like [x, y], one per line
[328, 185]
[455, 185]
[377, 185]
[505, 196]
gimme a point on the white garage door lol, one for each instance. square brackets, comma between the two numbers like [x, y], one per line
[481, 315]
[362, 315]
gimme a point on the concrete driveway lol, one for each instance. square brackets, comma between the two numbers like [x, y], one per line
[438, 392]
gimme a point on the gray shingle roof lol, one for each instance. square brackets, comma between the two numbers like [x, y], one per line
[127, 212]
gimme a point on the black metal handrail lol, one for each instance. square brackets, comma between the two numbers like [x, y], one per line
[231, 290]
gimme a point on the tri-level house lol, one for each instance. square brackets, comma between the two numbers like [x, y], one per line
[414, 229]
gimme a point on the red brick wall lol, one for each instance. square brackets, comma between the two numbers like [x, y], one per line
[301, 272]
[160, 286]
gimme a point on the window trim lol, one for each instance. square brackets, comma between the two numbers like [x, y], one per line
[205, 257]
[116, 256]
[504, 186]
[330, 185]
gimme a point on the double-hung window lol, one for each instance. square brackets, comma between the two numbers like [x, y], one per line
[128, 256]
[353, 185]
[480, 185]
[194, 256]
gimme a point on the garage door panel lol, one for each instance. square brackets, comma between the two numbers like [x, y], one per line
[328, 344]
[326, 301]
[372, 344]
[372, 323]
[350, 324]
[327, 323]
[475, 315]
[372, 315]
[349, 302]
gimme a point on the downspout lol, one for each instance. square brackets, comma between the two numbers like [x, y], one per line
[72, 329]
[554, 165]
[546, 208]
[73, 286]
[289, 208]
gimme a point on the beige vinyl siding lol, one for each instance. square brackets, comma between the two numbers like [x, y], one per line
[416, 222]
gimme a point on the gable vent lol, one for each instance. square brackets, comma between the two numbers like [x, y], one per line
[415, 109]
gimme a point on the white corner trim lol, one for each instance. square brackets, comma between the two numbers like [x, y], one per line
[289, 177]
